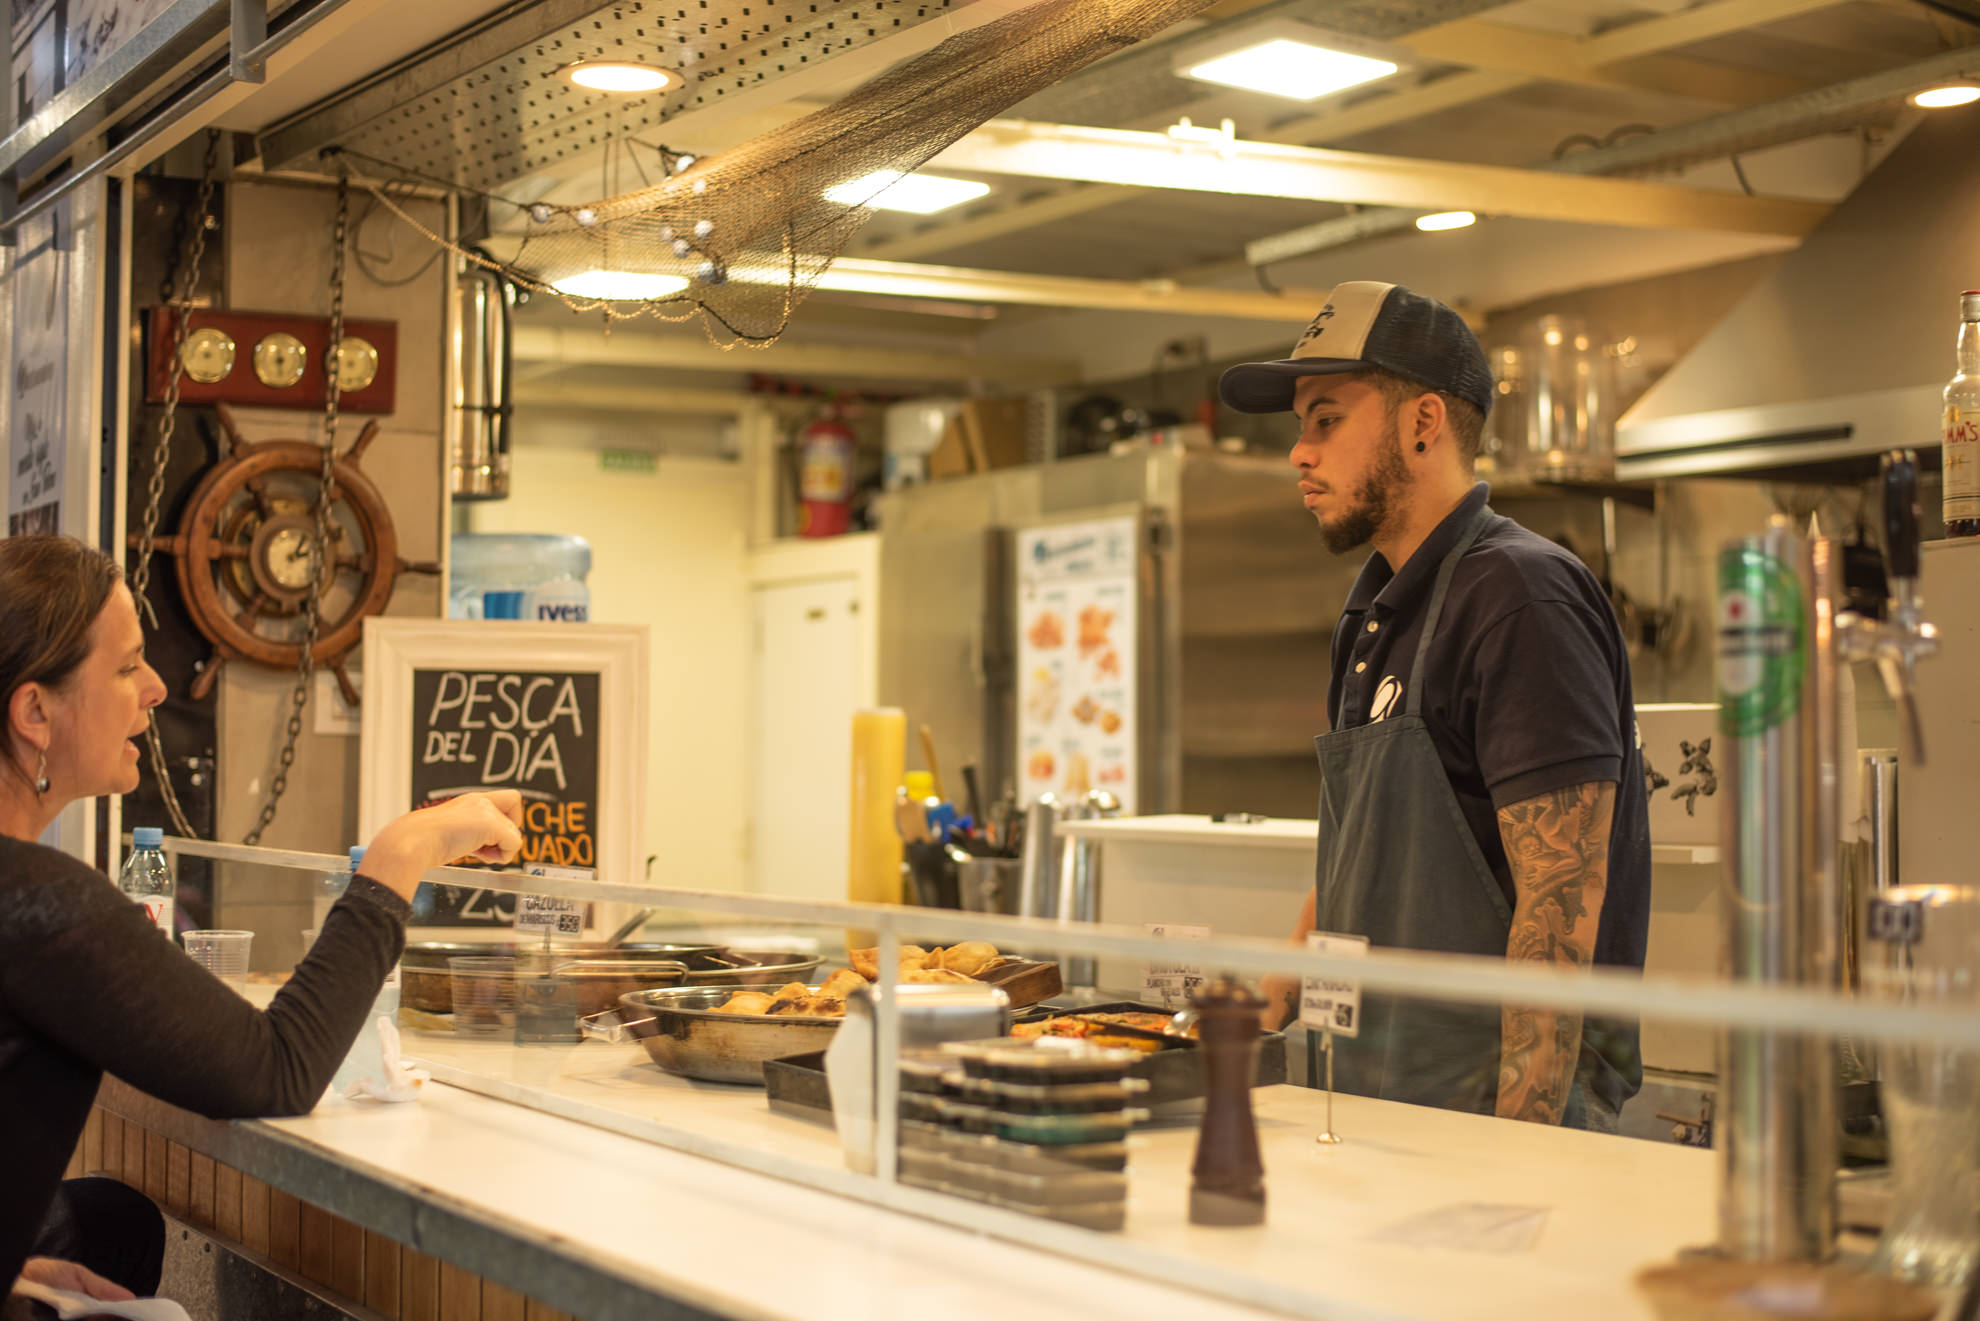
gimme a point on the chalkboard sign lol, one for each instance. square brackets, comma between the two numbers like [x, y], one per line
[504, 729]
[561, 719]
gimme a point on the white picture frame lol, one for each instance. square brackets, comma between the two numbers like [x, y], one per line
[396, 651]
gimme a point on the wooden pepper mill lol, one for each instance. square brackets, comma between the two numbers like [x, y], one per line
[1227, 1181]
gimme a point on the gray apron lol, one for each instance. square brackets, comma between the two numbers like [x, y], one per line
[1399, 865]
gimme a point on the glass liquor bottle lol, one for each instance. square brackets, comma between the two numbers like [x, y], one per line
[1962, 426]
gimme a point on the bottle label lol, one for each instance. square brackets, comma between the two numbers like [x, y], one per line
[1961, 454]
[158, 908]
[1761, 642]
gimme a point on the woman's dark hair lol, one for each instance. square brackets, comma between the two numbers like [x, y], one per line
[51, 591]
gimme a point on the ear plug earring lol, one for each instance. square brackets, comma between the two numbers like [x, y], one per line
[40, 772]
[1420, 447]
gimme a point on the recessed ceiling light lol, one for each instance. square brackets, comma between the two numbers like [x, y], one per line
[1292, 69]
[619, 76]
[1281, 57]
[1938, 98]
[1446, 220]
[922, 194]
[620, 286]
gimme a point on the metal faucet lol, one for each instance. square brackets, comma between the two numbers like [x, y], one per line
[1907, 637]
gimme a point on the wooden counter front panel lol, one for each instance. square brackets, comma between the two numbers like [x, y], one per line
[345, 1259]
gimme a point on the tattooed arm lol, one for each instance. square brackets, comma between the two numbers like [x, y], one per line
[1282, 993]
[1557, 844]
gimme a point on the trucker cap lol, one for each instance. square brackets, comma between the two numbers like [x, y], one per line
[1367, 325]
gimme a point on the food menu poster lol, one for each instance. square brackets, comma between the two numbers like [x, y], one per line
[1076, 595]
[535, 732]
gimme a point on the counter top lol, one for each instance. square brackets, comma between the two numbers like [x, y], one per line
[592, 1220]
[1295, 833]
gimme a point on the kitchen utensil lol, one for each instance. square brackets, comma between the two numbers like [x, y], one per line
[632, 924]
[928, 755]
[990, 885]
[1227, 1178]
[682, 1034]
[973, 799]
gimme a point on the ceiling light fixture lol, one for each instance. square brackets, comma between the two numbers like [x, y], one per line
[1288, 59]
[620, 286]
[1939, 98]
[619, 76]
[1437, 220]
[921, 194]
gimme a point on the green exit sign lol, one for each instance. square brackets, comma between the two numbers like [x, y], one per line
[628, 461]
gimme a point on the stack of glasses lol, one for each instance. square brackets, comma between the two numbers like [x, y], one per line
[1037, 1127]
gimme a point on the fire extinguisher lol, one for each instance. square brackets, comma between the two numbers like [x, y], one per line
[825, 477]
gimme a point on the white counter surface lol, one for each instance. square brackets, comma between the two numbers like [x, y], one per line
[602, 1223]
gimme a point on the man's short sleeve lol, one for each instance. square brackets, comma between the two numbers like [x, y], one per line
[1546, 687]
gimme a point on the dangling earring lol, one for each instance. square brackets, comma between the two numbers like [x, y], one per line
[40, 771]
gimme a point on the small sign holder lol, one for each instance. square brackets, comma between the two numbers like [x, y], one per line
[1332, 1006]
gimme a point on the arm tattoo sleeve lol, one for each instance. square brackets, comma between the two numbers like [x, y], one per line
[1557, 845]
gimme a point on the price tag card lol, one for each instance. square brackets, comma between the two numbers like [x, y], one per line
[1327, 1004]
[551, 915]
[1175, 979]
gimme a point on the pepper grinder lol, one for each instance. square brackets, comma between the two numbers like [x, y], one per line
[1227, 1180]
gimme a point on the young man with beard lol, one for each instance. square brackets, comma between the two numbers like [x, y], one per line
[1481, 789]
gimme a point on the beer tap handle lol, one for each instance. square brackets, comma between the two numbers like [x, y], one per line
[1901, 516]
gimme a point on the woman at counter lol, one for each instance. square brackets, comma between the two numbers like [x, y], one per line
[88, 985]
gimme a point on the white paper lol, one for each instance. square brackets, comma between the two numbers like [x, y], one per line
[542, 912]
[1077, 659]
[1328, 1004]
[1175, 979]
[37, 450]
[69, 1305]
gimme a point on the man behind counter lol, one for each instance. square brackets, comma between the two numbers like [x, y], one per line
[1481, 791]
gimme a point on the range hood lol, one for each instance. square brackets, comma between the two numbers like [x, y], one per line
[1843, 349]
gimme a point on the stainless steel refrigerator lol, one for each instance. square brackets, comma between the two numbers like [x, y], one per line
[1188, 668]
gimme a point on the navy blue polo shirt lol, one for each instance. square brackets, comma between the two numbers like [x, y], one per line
[1527, 689]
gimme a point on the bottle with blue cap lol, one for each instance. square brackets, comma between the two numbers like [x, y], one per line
[331, 886]
[147, 877]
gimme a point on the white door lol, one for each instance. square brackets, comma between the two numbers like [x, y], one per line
[807, 687]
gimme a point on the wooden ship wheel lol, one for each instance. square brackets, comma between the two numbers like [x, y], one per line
[246, 555]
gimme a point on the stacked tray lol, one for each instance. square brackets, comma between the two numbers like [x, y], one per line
[1031, 1127]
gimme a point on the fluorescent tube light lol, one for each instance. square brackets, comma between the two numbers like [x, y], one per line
[1437, 220]
[620, 286]
[619, 76]
[922, 194]
[1939, 98]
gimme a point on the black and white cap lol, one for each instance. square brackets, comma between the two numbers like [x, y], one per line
[1366, 326]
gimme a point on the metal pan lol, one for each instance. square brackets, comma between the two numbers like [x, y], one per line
[682, 1034]
[603, 974]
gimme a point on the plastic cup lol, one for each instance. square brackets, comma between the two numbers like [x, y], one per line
[484, 994]
[222, 953]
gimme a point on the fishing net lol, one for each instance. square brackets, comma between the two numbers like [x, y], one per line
[739, 239]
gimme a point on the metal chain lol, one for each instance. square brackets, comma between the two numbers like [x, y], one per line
[326, 495]
[161, 455]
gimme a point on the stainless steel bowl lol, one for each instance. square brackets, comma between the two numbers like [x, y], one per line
[603, 973]
[683, 1035]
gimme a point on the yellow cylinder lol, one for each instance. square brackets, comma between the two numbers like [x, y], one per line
[879, 754]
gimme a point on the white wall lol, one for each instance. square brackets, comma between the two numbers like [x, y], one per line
[667, 551]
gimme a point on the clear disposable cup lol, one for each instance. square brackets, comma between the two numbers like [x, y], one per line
[222, 953]
[484, 994]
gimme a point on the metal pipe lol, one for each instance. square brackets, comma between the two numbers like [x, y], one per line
[1776, 1102]
[1805, 114]
[481, 339]
[1038, 888]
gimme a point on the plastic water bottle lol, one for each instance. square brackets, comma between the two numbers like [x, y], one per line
[367, 1054]
[147, 877]
[331, 886]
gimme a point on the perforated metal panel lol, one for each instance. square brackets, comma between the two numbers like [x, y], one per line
[488, 106]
